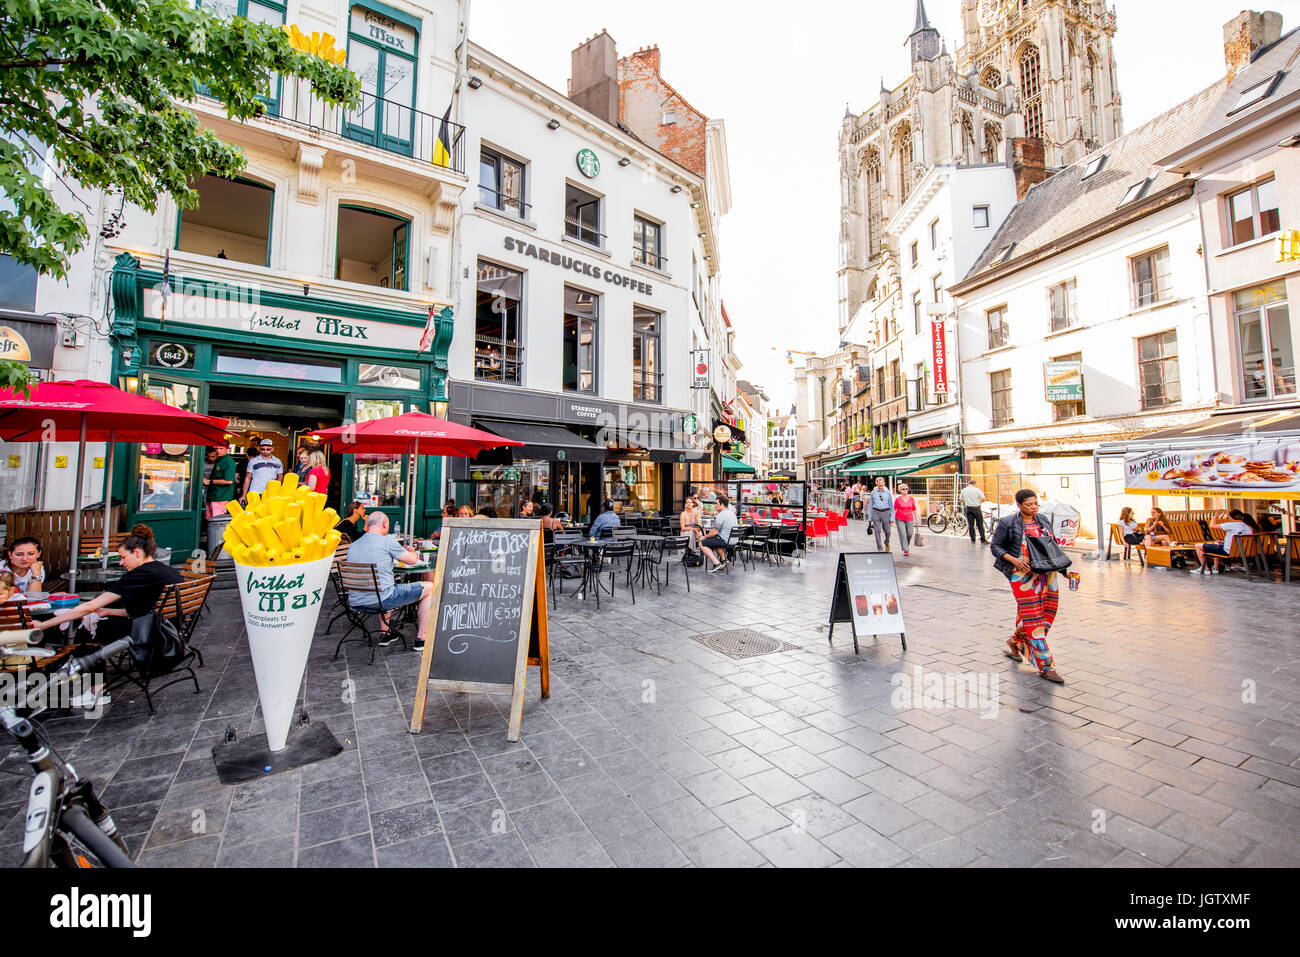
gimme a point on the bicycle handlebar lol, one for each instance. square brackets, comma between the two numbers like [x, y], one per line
[85, 663]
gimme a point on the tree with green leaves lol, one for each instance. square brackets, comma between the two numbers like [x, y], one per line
[99, 88]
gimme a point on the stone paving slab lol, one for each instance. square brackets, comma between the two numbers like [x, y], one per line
[1175, 742]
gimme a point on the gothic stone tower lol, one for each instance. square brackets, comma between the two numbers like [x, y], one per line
[1025, 68]
[1060, 56]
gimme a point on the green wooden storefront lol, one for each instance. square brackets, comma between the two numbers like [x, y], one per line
[210, 338]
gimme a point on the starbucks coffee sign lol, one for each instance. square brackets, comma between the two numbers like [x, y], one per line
[588, 163]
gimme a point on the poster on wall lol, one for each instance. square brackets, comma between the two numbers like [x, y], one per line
[1262, 469]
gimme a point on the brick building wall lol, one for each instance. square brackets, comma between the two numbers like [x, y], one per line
[645, 98]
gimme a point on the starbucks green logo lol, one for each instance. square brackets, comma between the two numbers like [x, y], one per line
[560, 455]
[589, 163]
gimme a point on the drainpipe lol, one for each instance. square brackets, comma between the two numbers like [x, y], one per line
[1096, 486]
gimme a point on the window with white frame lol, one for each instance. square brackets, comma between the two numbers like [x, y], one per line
[1158, 377]
[980, 217]
[1062, 305]
[999, 333]
[1253, 212]
[1149, 274]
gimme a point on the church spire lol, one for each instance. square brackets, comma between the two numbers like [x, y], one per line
[924, 38]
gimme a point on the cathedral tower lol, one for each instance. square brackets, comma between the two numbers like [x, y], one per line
[1041, 68]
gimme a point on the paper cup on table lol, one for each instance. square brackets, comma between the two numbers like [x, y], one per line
[281, 605]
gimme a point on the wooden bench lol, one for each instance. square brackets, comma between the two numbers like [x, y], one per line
[1117, 538]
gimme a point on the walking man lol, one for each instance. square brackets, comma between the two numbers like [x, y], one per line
[262, 469]
[971, 498]
[882, 512]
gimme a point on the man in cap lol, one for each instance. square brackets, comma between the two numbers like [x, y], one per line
[262, 469]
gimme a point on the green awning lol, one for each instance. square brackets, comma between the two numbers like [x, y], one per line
[898, 465]
[845, 460]
[735, 465]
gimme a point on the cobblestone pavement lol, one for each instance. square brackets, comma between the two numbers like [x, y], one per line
[1174, 743]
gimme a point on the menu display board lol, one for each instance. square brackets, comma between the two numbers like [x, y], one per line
[867, 596]
[488, 619]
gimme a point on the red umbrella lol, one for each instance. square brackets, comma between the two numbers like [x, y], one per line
[413, 433]
[85, 411]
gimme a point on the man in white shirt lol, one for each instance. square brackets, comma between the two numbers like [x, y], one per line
[716, 544]
[262, 469]
[1232, 525]
[971, 498]
[881, 501]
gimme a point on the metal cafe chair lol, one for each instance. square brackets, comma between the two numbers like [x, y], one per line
[358, 579]
[616, 557]
[623, 532]
[660, 556]
[734, 550]
[758, 540]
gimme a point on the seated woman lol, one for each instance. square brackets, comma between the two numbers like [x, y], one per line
[1129, 528]
[1158, 532]
[23, 561]
[690, 521]
[130, 597]
[353, 523]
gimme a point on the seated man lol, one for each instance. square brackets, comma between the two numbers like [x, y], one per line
[723, 522]
[606, 519]
[376, 548]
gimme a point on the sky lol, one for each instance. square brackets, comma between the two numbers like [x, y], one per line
[781, 85]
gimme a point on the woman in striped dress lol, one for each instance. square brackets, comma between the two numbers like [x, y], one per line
[1036, 596]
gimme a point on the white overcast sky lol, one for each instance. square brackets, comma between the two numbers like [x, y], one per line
[781, 81]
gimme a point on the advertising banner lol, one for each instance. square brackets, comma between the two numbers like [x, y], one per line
[939, 340]
[700, 369]
[1266, 469]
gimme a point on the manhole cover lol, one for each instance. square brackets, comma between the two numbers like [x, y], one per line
[743, 644]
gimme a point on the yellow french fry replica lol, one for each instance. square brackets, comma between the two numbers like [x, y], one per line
[285, 525]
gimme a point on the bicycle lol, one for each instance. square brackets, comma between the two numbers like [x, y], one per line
[947, 516]
[67, 826]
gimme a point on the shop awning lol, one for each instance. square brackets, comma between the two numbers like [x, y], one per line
[735, 465]
[545, 442]
[845, 460]
[898, 465]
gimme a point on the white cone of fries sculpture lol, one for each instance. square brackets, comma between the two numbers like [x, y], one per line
[282, 544]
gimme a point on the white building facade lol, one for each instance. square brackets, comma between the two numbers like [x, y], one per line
[576, 303]
[1086, 320]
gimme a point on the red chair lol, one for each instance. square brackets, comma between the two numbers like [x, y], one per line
[819, 530]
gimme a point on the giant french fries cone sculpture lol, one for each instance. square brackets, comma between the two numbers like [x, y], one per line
[282, 544]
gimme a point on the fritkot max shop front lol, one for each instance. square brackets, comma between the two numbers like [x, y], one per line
[278, 366]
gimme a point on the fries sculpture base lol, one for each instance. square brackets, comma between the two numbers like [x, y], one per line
[281, 605]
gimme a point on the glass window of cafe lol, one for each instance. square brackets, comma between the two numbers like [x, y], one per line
[505, 488]
[632, 485]
[1267, 362]
[581, 314]
[498, 353]
[379, 479]
[163, 477]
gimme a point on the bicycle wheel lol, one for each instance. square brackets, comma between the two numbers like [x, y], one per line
[937, 523]
[958, 525]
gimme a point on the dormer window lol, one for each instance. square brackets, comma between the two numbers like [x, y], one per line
[1256, 94]
[1135, 192]
[1004, 255]
[1094, 167]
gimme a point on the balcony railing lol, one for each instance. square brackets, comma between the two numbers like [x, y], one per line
[647, 258]
[647, 386]
[390, 126]
[510, 205]
[584, 233]
[496, 360]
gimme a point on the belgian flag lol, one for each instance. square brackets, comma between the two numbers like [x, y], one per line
[442, 146]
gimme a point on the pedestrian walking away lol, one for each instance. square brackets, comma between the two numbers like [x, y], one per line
[1037, 595]
[905, 517]
[971, 499]
[882, 513]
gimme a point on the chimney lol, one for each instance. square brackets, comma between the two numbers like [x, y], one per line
[1028, 162]
[1245, 35]
[593, 84]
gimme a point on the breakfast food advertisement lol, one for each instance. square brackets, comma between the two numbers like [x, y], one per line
[1264, 469]
[874, 594]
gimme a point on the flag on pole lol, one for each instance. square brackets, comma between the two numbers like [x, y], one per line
[426, 339]
[442, 146]
[166, 287]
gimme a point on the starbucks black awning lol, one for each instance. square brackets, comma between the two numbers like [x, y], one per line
[547, 442]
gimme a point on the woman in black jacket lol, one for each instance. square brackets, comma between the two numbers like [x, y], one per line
[1036, 595]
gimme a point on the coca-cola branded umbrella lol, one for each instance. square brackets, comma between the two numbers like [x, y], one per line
[84, 411]
[413, 434]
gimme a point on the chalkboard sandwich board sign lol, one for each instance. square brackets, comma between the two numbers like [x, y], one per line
[867, 596]
[488, 620]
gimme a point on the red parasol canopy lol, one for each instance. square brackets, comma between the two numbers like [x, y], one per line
[110, 415]
[400, 434]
